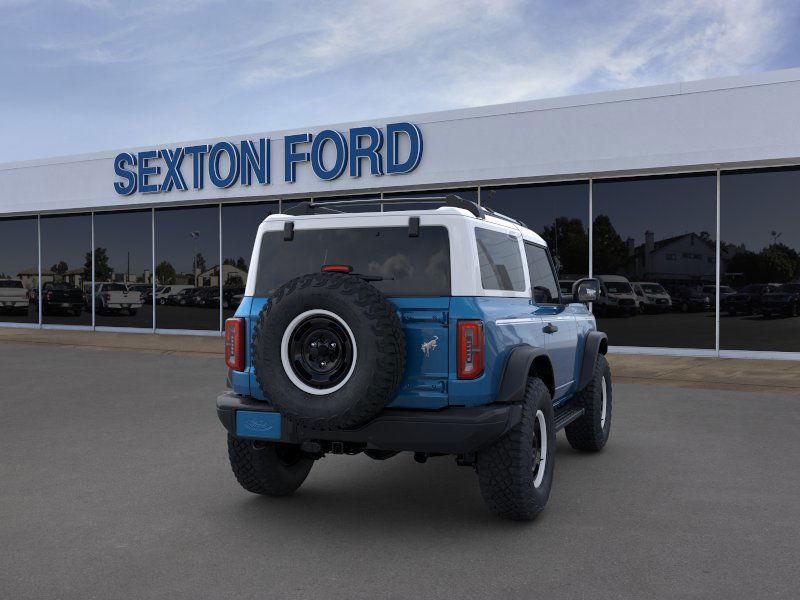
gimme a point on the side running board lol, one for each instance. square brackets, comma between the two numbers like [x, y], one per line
[567, 414]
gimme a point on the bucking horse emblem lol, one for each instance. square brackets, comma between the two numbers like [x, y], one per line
[429, 346]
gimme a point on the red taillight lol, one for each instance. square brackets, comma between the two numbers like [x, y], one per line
[234, 344]
[470, 349]
[337, 268]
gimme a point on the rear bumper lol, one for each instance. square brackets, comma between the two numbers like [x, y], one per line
[457, 430]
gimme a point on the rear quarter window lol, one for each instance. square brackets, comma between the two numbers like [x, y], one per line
[500, 261]
[402, 265]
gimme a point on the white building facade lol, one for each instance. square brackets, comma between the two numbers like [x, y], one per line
[708, 164]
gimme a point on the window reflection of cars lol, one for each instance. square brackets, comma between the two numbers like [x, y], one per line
[690, 299]
[163, 295]
[229, 295]
[112, 298]
[181, 297]
[616, 296]
[61, 298]
[747, 301]
[652, 297]
[785, 301]
[724, 291]
[207, 297]
[13, 296]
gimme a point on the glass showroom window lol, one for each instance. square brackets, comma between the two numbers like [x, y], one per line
[239, 227]
[655, 255]
[19, 270]
[559, 213]
[760, 260]
[187, 268]
[123, 267]
[465, 193]
[66, 269]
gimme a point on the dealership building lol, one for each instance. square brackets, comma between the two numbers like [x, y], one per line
[684, 199]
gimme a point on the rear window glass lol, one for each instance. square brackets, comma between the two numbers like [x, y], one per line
[543, 282]
[10, 284]
[402, 265]
[500, 261]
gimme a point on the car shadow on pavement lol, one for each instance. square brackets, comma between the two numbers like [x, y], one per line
[346, 494]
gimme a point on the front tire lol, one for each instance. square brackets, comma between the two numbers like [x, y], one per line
[516, 472]
[590, 432]
[267, 468]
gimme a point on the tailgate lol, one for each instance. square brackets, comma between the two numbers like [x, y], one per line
[425, 324]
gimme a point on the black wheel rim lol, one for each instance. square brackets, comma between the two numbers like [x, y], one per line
[320, 352]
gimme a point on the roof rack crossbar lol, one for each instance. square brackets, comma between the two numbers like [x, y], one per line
[453, 200]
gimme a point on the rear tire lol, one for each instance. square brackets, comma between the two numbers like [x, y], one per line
[590, 432]
[516, 472]
[267, 468]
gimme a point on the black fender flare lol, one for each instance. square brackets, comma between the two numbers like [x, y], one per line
[520, 362]
[596, 343]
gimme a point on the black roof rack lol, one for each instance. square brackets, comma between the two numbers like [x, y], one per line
[315, 207]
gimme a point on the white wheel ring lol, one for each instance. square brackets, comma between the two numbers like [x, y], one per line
[604, 407]
[287, 364]
[541, 423]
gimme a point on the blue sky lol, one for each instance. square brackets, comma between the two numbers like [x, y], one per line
[85, 75]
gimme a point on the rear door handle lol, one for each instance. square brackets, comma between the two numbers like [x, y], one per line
[549, 328]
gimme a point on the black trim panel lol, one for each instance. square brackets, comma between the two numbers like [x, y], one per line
[594, 339]
[456, 430]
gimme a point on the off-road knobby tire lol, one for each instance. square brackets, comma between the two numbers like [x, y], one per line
[266, 468]
[380, 360]
[505, 467]
[586, 433]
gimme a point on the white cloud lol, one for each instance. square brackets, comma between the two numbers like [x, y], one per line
[198, 68]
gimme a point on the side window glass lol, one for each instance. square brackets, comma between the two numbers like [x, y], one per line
[543, 281]
[500, 261]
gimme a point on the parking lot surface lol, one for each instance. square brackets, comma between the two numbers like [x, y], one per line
[114, 483]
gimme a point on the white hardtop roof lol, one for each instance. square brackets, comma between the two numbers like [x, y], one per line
[341, 219]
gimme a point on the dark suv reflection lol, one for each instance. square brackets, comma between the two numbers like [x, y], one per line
[747, 301]
[62, 298]
[784, 301]
[207, 297]
[690, 299]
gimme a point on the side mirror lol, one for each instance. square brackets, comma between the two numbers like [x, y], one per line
[585, 290]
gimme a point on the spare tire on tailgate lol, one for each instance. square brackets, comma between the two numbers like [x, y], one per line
[328, 351]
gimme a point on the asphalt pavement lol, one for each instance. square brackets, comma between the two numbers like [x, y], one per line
[114, 483]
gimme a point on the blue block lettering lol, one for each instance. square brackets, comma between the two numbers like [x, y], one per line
[255, 162]
[146, 171]
[173, 176]
[317, 149]
[127, 188]
[197, 153]
[393, 133]
[214, 162]
[370, 151]
[291, 157]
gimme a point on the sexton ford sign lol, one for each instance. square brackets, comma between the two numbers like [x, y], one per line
[225, 164]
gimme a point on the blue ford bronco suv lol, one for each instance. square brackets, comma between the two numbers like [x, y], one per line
[436, 331]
